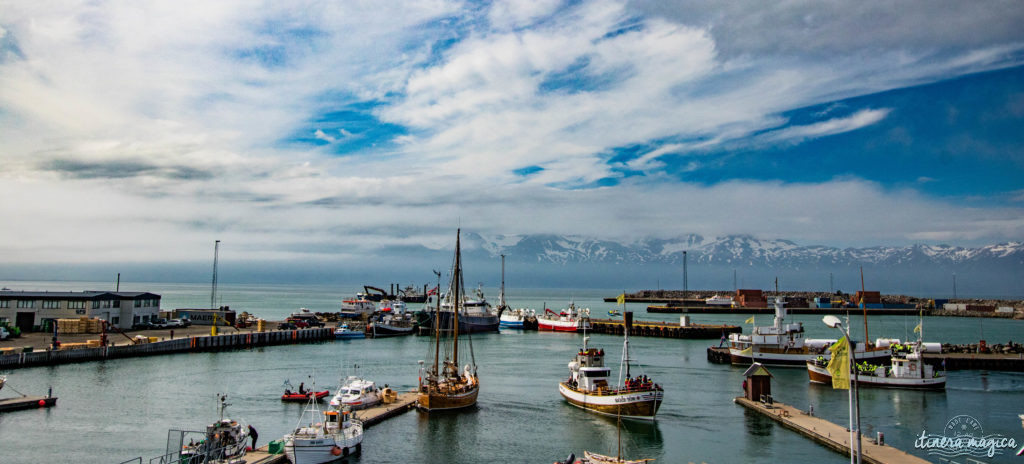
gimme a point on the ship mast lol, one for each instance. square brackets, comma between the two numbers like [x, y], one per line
[501, 295]
[864, 306]
[456, 281]
[437, 325]
[213, 291]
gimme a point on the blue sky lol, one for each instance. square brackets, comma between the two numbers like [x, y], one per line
[325, 131]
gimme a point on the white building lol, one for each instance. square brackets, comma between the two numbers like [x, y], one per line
[30, 310]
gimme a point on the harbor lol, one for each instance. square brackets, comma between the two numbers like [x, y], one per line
[253, 374]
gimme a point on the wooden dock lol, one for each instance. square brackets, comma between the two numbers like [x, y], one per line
[663, 329]
[827, 433]
[369, 416]
[27, 402]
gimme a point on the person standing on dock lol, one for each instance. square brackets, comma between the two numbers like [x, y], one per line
[254, 435]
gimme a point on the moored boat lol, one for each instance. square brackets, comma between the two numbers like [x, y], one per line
[345, 332]
[390, 324]
[589, 385]
[571, 319]
[356, 307]
[719, 301]
[356, 393]
[224, 441]
[906, 369]
[516, 318]
[329, 436]
[783, 344]
[302, 395]
[442, 385]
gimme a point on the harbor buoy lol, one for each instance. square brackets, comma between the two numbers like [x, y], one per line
[336, 451]
[42, 403]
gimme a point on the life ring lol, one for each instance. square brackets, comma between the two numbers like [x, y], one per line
[336, 451]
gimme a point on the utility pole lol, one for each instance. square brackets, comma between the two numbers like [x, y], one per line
[954, 285]
[213, 291]
[685, 284]
[734, 287]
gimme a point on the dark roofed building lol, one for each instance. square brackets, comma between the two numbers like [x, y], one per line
[29, 310]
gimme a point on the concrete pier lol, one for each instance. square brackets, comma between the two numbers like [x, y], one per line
[951, 361]
[663, 329]
[827, 433]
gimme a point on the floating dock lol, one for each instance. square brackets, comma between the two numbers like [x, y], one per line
[827, 433]
[27, 402]
[951, 361]
[369, 416]
[663, 329]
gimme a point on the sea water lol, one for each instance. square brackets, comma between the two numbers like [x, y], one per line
[112, 411]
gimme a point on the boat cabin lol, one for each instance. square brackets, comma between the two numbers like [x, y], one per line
[911, 366]
[587, 371]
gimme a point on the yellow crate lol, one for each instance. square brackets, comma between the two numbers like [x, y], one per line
[154, 339]
[93, 343]
[8, 350]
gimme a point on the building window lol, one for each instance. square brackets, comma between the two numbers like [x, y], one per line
[76, 304]
[79, 311]
[96, 305]
[138, 303]
[107, 303]
[51, 304]
[115, 320]
[5, 303]
[26, 303]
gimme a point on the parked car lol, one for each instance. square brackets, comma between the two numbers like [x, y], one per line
[287, 326]
[142, 326]
[178, 323]
[4, 334]
[158, 323]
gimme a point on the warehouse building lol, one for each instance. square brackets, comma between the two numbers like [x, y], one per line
[34, 311]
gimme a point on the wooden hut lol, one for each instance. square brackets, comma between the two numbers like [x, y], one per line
[758, 382]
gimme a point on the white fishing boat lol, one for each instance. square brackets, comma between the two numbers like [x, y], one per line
[719, 301]
[392, 306]
[390, 324]
[589, 384]
[327, 436]
[224, 441]
[906, 369]
[783, 344]
[345, 332]
[516, 318]
[571, 319]
[356, 393]
[357, 307]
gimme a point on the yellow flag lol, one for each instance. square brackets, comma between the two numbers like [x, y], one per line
[621, 299]
[749, 321]
[748, 352]
[839, 365]
[917, 328]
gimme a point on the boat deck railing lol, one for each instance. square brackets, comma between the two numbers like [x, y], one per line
[615, 391]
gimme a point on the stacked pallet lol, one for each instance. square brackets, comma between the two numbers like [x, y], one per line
[80, 325]
[73, 346]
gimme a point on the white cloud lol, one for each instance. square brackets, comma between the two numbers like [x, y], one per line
[150, 123]
[797, 134]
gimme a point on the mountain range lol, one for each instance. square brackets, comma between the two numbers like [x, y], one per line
[745, 261]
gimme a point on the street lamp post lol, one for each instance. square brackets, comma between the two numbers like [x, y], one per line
[854, 395]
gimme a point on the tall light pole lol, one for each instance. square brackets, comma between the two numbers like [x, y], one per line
[835, 323]
[684, 275]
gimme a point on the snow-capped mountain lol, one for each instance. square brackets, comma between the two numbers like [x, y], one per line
[738, 251]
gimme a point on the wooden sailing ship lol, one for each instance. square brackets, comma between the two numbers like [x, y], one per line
[443, 385]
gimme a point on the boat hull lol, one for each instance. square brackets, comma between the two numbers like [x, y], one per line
[819, 374]
[467, 323]
[387, 330]
[298, 398]
[796, 359]
[634, 404]
[349, 335]
[552, 325]
[320, 450]
[431, 401]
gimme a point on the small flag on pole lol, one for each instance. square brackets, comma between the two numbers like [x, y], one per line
[621, 299]
[750, 320]
[917, 328]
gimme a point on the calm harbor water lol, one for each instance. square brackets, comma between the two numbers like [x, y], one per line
[113, 411]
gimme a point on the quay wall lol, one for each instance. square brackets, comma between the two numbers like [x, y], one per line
[179, 345]
[663, 329]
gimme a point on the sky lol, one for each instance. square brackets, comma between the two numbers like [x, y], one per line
[322, 131]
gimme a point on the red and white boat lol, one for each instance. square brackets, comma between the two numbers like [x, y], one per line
[571, 319]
